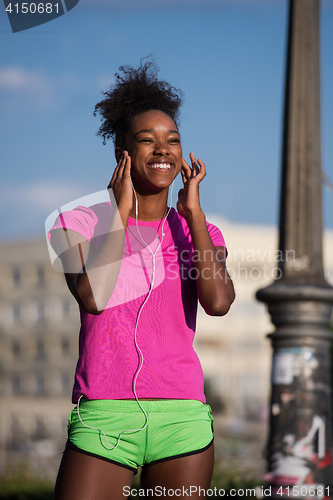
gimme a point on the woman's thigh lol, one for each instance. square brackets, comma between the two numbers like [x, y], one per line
[184, 474]
[82, 477]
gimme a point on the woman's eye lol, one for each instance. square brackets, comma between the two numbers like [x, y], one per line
[174, 141]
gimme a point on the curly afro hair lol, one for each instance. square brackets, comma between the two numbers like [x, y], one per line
[137, 91]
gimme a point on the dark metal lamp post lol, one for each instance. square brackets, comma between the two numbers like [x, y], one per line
[300, 300]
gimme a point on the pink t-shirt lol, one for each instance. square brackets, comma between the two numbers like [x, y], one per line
[108, 358]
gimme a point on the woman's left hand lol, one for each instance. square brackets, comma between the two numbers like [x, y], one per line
[188, 204]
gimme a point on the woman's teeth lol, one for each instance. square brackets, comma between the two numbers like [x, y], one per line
[164, 166]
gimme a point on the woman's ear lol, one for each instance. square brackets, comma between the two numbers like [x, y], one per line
[118, 153]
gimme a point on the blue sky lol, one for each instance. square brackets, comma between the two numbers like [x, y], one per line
[228, 57]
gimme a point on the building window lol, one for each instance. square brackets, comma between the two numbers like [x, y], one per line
[16, 385]
[40, 276]
[40, 385]
[65, 383]
[41, 313]
[65, 346]
[41, 430]
[16, 313]
[40, 349]
[16, 349]
[16, 276]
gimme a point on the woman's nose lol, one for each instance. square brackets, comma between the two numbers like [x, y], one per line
[161, 148]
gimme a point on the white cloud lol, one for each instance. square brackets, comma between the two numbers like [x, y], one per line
[13, 78]
[32, 89]
[47, 196]
[24, 211]
[22, 88]
[44, 196]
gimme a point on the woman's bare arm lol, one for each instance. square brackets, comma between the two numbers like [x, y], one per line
[214, 285]
[92, 276]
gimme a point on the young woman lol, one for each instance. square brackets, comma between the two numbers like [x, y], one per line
[137, 269]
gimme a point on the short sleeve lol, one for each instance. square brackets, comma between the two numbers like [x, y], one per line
[216, 236]
[82, 220]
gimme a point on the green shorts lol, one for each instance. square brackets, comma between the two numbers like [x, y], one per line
[175, 428]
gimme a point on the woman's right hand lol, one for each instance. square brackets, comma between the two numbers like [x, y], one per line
[121, 185]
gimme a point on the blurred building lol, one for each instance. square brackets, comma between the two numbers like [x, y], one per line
[38, 352]
[39, 325]
[234, 350]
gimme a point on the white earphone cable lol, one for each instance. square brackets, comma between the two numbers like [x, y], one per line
[153, 254]
[140, 354]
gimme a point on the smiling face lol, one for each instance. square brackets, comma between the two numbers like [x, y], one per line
[154, 146]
